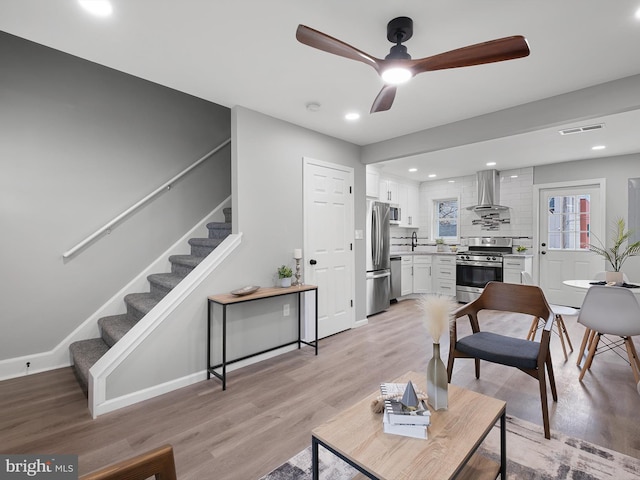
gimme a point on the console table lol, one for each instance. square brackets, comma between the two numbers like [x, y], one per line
[356, 436]
[227, 299]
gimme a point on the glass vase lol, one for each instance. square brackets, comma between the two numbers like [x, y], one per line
[437, 381]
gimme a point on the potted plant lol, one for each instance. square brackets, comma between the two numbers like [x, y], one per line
[617, 253]
[521, 249]
[284, 276]
[439, 245]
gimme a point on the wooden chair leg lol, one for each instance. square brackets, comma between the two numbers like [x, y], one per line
[592, 351]
[532, 329]
[552, 378]
[543, 401]
[559, 325]
[633, 358]
[586, 341]
[563, 330]
[477, 367]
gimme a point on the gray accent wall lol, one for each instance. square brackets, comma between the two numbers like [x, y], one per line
[80, 143]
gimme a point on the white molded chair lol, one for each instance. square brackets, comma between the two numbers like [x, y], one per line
[558, 311]
[588, 334]
[611, 311]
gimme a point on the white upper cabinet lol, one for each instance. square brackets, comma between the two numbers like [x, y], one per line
[411, 212]
[389, 191]
[373, 183]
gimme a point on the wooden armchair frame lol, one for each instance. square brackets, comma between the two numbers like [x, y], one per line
[529, 356]
[158, 463]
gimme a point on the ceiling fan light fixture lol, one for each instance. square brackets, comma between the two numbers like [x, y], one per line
[99, 8]
[396, 75]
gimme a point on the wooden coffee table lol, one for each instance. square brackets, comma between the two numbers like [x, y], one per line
[355, 435]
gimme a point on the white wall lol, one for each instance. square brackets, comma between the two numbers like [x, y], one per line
[80, 144]
[268, 158]
[616, 170]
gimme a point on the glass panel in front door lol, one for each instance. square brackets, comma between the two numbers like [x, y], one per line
[569, 222]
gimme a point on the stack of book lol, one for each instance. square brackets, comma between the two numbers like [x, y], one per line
[399, 420]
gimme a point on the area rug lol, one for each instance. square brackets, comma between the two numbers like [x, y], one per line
[530, 456]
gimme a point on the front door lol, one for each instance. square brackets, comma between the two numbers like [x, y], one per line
[328, 242]
[569, 217]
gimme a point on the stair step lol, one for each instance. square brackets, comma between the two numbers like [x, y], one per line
[85, 353]
[183, 264]
[201, 247]
[163, 283]
[139, 304]
[219, 229]
[114, 327]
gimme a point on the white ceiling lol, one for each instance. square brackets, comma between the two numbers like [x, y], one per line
[244, 52]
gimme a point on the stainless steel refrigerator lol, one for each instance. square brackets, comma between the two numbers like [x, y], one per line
[378, 262]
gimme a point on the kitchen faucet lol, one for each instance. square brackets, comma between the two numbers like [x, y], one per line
[414, 240]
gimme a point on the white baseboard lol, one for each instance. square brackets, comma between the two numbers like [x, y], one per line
[151, 392]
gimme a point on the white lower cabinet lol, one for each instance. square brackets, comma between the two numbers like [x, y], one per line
[407, 275]
[444, 275]
[514, 266]
[416, 274]
[422, 274]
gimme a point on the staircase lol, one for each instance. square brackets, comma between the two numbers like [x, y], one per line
[85, 353]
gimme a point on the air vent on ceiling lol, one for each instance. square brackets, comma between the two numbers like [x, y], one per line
[586, 128]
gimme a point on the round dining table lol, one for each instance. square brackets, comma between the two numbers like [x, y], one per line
[585, 284]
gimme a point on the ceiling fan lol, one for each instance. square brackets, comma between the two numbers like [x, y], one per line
[398, 67]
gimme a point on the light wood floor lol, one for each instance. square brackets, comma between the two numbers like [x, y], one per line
[269, 409]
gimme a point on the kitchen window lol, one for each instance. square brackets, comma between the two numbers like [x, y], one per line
[446, 218]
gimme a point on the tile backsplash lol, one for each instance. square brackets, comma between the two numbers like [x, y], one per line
[516, 192]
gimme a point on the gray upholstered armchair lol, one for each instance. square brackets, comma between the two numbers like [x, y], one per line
[527, 355]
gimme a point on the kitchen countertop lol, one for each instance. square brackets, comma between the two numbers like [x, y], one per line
[402, 254]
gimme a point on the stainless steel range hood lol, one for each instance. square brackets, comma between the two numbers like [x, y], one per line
[488, 193]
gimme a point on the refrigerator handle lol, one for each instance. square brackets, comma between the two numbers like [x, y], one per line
[378, 237]
[374, 245]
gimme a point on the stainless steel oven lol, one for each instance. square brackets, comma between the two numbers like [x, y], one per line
[479, 265]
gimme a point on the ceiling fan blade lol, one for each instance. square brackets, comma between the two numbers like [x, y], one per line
[498, 50]
[326, 43]
[384, 100]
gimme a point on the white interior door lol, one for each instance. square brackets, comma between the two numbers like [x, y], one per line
[328, 240]
[569, 217]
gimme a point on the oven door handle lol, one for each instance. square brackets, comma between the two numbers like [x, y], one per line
[478, 264]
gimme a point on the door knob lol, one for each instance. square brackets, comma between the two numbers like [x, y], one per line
[543, 253]
[312, 262]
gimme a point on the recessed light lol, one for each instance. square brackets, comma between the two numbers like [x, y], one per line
[598, 147]
[514, 176]
[452, 181]
[99, 8]
[638, 13]
[313, 106]
[413, 170]
[490, 164]
[352, 116]
[432, 175]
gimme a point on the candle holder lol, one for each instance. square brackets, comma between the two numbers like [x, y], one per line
[298, 273]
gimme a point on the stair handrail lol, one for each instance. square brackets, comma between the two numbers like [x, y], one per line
[133, 208]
